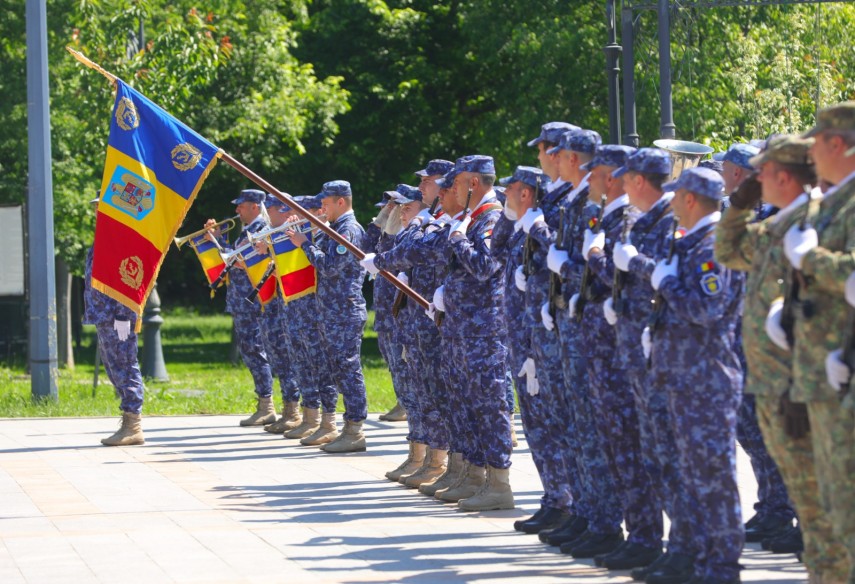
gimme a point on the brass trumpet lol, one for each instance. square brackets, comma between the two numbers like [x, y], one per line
[225, 225]
[287, 226]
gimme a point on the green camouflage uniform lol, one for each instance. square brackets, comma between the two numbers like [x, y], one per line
[756, 248]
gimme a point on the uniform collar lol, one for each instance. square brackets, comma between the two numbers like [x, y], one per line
[621, 201]
[555, 184]
[710, 219]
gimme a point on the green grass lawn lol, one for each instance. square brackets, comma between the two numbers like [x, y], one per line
[201, 378]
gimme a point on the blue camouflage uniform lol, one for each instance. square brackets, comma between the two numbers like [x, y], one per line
[702, 304]
[119, 357]
[247, 315]
[651, 235]
[546, 419]
[341, 303]
[596, 499]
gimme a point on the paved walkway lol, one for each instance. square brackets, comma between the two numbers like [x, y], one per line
[207, 501]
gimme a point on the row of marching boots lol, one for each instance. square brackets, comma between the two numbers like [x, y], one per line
[311, 427]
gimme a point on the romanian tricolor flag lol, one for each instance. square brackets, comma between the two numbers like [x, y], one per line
[706, 267]
[256, 268]
[155, 166]
[297, 277]
[209, 256]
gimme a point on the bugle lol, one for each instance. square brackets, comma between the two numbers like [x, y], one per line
[225, 225]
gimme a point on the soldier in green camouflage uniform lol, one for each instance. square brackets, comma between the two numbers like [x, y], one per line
[822, 251]
[756, 248]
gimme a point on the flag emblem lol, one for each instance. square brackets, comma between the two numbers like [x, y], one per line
[131, 271]
[185, 156]
[126, 114]
[130, 193]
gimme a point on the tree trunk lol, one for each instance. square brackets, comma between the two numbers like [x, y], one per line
[65, 355]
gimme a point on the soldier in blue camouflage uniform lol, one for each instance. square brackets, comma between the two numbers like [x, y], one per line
[701, 304]
[247, 316]
[596, 525]
[343, 310]
[644, 173]
[773, 512]
[276, 337]
[541, 396]
[117, 343]
[614, 401]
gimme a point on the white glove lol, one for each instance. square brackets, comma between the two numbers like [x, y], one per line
[591, 241]
[836, 370]
[393, 223]
[402, 276]
[122, 328]
[555, 258]
[528, 371]
[622, 255]
[609, 311]
[548, 321]
[421, 218]
[797, 243]
[368, 263]
[646, 342]
[382, 216]
[431, 311]
[850, 289]
[439, 298]
[460, 226]
[664, 269]
[773, 325]
[531, 217]
[519, 279]
[510, 214]
[572, 309]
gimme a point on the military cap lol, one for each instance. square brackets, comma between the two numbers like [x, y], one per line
[646, 160]
[503, 182]
[784, 149]
[404, 194]
[335, 188]
[270, 202]
[446, 181]
[609, 155]
[475, 163]
[529, 175]
[383, 201]
[713, 164]
[578, 141]
[740, 154]
[500, 194]
[837, 117]
[436, 167]
[250, 195]
[701, 181]
[309, 202]
[551, 132]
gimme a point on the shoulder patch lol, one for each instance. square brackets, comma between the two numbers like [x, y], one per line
[711, 284]
[341, 250]
[592, 223]
[706, 267]
[487, 234]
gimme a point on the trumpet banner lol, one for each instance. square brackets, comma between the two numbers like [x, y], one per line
[154, 168]
[295, 275]
[256, 268]
[209, 256]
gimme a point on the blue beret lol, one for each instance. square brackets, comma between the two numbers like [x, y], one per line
[578, 141]
[335, 188]
[529, 175]
[609, 155]
[701, 181]
[250, 195]
[740, 154]
[436, 167]
[646, 160]
[404, 194]
[551, 132]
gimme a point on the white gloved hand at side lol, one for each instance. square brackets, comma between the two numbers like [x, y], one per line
[402, 276]
[368, 263]
[850, 289]
[519, 279]
[439, 298]
[836, 371]
[798, 242]
[622, 255]
[609, 311]
[546, 317]
[592, 240]
[773, 325]
[122, 328]
[555, 258]
[664, 269]
[646, 342]
[572, 308]
[531, 217]
[528, 371]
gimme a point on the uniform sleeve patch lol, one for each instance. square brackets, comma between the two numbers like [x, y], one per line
[487, 234]
[706, 267]
[341, 250]
[711, 284]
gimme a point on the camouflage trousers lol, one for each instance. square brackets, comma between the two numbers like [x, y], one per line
[546, 418]
[122, 366]
[402, 383]
[824, 556]
[251, 345]
[313, 376]
[597, 500]
[424, 360]
[772, 497]
[342, 340]
[277, 345]
[833, 438]
[482, 397]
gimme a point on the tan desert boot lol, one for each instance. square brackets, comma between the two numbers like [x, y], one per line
[290, 419]
[514, 441]
[431, 469]
[264, 413]
[448, 478]
[396, 414]
[419, 456]
[393, 475]
[326, 432]
[310, 423]
[351, 439]
[496, 493]
[129, 433]
[473, 479]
